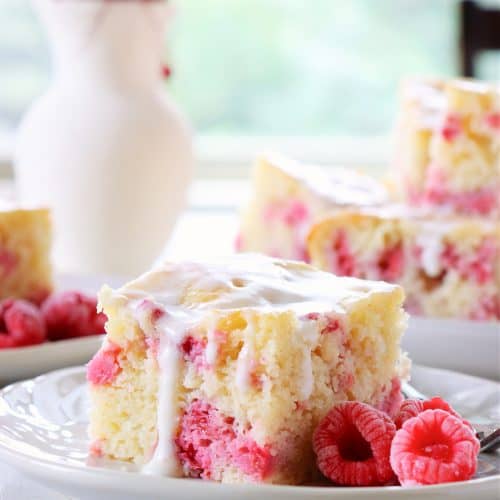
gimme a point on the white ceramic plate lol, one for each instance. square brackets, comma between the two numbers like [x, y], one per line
[467, 346]
[24, 362]
[43, 434]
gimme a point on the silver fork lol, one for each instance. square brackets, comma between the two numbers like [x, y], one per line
[488, 435]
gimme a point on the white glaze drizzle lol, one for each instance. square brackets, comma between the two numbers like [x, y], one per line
[432, 246]
[244, 368]
[211, 348]
[163, 461]
[190, 292]
[430, 100]
[172, 328]
[337, 185]
[308, 330]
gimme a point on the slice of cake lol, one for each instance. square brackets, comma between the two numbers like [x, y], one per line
[363, 244]
[25, 243]
[287, 197]
[448, 145]
[222, 370]
[449, 266]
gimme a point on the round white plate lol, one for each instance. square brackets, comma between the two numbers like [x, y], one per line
[467, 346]
[24, 362]
[43, 433]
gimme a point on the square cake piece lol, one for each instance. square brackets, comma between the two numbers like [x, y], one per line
[221, 370]
[287, 197]
[448, 145]
[449, 266]
[25, 244]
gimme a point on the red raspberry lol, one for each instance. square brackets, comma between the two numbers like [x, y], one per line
[21, 324]
[434, 447]
[104, 367]
[493, 120]
[412, 407]
[72, 314]
[295, 213]
[193, 350]
[451, 128]
[238, 243]
[166, 71]
[391, 263]
[352, 444]
[344, 263]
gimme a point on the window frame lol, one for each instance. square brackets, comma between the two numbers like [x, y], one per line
[231, 157]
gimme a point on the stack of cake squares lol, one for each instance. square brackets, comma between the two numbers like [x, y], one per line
[433, 227]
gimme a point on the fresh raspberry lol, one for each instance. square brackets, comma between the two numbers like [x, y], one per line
[481, 267]
[72, 314]
[487, 308]
[451, 128]
[95, 448]
[209, 439]
[493, 120]
[392, 399]
[21, 324]
[352, 444]
[295, 213]
[409, 408]
[391, 263]
[166, 71]
[343, 261]
[332, 325]
[104, 367]
[434, 447]
[412, 407]
[193, 350]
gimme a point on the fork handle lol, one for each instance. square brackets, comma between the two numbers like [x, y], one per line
[410, 392]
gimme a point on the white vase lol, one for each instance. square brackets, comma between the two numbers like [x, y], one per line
[105, 147]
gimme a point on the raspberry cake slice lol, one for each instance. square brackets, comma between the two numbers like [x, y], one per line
[288, 196]
[221, 370]
[448, 145]
[448, 266]
[25, 243]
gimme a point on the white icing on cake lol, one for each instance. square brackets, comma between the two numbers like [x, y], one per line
[337, 185]
[430, 101]
[309, 332]
[211, 348]
[244, 368]
[190, 290]
[7, 205]
[432, 246]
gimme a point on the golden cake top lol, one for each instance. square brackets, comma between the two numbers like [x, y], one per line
[339, 185]
[245, 281]
[423, 222]
[429, 216]
[431, 91]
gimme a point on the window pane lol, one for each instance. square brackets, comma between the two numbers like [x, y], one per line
[24, 62]
[295, 67]
[271, 67]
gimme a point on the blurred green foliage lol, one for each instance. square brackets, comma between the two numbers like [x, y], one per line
[287, 67]
[295, 67]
